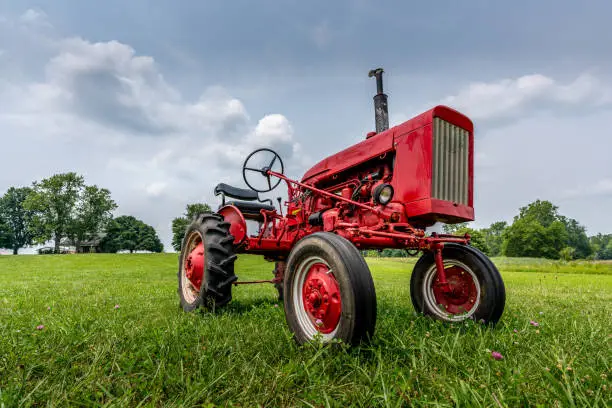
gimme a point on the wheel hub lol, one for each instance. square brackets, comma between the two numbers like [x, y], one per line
[321, 296]
[194, 266]
[461, 294]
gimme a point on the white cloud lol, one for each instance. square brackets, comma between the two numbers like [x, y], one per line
[106, 112]
[155, 189]
[35, 17]
[321, 35]
[602, 187]
[527, 95]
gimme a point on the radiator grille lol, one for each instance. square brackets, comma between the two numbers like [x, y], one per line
[450, 179]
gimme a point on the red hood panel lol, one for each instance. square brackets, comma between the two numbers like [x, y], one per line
[380, 143]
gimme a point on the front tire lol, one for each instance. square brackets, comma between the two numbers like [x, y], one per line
[329, 292]
[206, 264]
[477, 289]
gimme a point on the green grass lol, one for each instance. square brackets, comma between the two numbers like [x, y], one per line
[149, 353]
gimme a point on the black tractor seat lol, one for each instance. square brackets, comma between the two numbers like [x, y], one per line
[247, 207]
[236, 192]
[250, 208]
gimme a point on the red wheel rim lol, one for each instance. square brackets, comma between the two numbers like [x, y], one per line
[194, 266]
[463, 293]
[321, 298]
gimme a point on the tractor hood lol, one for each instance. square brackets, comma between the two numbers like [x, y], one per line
[350, 157]
[379, 144]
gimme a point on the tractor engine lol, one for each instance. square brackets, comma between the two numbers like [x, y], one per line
[420, 171]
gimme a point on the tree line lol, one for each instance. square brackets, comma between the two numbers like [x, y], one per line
[537, 231]
[63, 208]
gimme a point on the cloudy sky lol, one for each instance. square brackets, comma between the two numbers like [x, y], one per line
[159, 101]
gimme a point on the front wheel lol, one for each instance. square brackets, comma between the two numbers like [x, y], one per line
[329, 292]
[476, 288]
[206, 264]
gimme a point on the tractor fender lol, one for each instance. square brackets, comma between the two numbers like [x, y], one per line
[238, 227]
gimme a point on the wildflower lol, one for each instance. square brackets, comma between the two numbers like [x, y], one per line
[319, 322]
[533, 323]
[116, 306]
[49, 308]
[276, 305]
[496, 355]
[516, 331]
[537, 331]
[40, 327]
[541, 313]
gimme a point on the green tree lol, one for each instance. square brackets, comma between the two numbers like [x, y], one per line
[453, 228]
[601, 246]
[93, 213]
[180, 224]
[577, 238]
[53, 202]
[527, 237]
[15, 220]
[130, 234]
[477, 238]
[541, 211]
[493, 237]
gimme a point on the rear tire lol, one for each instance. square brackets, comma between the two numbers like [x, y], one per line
[328, 291]
[478, 289]
[208, 237]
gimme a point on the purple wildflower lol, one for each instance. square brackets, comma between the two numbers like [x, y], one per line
[116, 306]
[276, 305]
[496, 355]
[319, 322]
[516, 331]
[40, 327]
[534, 323]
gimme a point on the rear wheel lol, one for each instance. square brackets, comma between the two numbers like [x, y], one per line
[328, 291]
[476, 288]
[206, 264]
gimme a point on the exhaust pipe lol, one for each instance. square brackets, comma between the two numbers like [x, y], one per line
[381, 110]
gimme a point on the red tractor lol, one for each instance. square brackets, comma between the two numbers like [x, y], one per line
[380, 193]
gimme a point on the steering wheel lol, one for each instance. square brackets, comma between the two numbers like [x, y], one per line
[267, 165]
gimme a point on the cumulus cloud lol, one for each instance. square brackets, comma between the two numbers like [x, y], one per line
[34, 16]
[507, 99]
[103, 110]
[601, 188]
[321, 35]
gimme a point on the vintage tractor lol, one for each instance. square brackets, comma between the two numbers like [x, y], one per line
[380, 193]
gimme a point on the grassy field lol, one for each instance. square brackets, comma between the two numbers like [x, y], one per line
[113, 335]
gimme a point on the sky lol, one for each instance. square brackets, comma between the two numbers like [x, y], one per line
[160, 101]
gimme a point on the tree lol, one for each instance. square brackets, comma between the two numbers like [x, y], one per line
[128, 233]
[53, 202]
[93, 213]
[15, 220]
[542, 212]
[540, 231]
[477, 237]
[180, 224]
[493, 237]
[576, 238]
[601, 246]
[453, 228]
[527, 237]
[64, 207]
